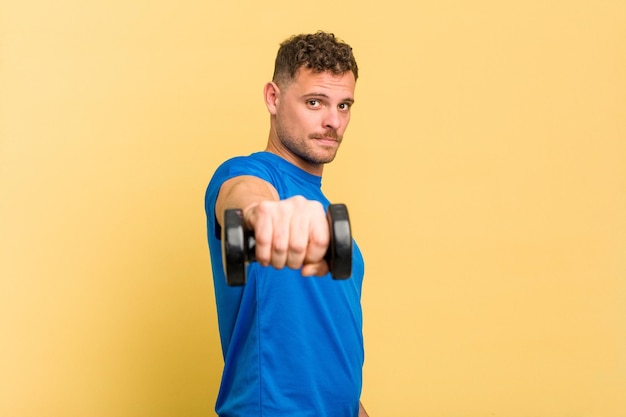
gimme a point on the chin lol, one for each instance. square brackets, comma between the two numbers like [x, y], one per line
[321, 159]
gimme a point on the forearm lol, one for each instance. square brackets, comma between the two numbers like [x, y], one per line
[243, 192]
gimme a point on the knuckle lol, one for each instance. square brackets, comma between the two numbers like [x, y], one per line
[298, 199]
[280, 248]
[264, 207]
[297, 248]
[318, 239]
[263, 239]
[315, 206]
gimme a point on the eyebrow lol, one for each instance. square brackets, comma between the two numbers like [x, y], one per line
[323, 95]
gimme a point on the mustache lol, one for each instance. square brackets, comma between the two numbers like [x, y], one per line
[329, 134]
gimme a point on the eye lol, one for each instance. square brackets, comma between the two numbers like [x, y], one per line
[344, 106]
[314, 103]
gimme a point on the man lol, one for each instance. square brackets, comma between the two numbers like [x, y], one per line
[292, 344]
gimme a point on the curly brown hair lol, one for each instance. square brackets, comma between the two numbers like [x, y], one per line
[320, 52]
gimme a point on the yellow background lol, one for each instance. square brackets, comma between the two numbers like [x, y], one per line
[484, 170]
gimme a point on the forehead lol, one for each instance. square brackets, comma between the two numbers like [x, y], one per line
[307, 81]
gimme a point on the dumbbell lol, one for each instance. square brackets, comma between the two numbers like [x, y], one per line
[239, 245]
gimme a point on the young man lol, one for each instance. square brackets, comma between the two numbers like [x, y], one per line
[292, 344]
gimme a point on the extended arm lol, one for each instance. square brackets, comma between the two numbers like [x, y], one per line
[362, 412]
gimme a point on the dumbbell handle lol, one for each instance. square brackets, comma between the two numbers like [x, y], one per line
[239, 245]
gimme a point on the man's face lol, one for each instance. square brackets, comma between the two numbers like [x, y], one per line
[312, 114]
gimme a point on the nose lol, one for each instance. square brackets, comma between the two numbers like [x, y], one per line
[332, 119]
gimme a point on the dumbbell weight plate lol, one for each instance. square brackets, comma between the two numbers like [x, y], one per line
[233, 247]
[339, 255]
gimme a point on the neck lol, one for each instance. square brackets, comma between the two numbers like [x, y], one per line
[275, 147]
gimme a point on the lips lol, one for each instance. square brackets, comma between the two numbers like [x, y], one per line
[327, 141]
[330, 136]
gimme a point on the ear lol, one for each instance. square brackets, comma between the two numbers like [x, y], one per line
[271, 93]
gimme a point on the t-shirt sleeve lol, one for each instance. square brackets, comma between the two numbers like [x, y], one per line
[232, 168]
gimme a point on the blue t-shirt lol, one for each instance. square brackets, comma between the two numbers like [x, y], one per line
[292, 345]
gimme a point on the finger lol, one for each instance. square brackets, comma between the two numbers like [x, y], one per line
[259, 220]
[319, 237]
[318, 269]
[280, 244]
[298, 240]
[281, 218]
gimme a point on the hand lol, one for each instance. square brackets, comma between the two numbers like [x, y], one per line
[292, 232]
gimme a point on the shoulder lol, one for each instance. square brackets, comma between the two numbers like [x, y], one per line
[262, 165]
[259, 164]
